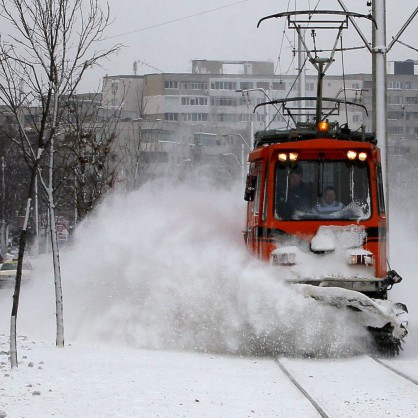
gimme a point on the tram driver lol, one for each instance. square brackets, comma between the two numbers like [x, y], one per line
[328, 205]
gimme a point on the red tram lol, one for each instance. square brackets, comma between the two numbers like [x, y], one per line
[316, 212]
[315, 194]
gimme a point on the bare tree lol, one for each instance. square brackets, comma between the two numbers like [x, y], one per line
[49, 47]
[86, 156]
[139, 150]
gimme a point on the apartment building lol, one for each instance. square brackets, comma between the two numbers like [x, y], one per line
[207, 116]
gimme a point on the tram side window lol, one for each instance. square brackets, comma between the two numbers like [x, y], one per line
[257, 171]
[253, 187]
[380, 188]
[265, 201]
[322, 190]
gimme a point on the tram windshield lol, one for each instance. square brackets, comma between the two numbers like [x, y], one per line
[322, 190]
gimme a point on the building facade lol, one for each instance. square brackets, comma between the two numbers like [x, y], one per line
[207, 116]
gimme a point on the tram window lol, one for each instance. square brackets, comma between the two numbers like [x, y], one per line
[322, 190]
[258, 172]
[250, 187]
[380, 188]
[265, 201]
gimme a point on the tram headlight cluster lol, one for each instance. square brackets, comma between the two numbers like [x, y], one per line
[288, 156]
[363, 257]
[285, 256]
[284, 259]
[352, 155]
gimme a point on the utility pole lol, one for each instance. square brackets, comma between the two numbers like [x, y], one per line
[379, 51]
[301, 71]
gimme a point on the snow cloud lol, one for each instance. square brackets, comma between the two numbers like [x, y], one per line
[165, 267]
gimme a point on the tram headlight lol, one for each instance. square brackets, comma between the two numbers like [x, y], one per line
[291, 156]
[351, 155]
[362, 156]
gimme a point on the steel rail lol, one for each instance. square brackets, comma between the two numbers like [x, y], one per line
[302, 390]
[396, 371]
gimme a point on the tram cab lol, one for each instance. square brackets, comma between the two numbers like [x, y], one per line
[318, 194]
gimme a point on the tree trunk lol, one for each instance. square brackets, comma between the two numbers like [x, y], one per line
[3, 228]
[16, 294]
[57, 274]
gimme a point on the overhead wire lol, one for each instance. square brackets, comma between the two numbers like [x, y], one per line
[281, 45]
[292, 45]
[177, 20]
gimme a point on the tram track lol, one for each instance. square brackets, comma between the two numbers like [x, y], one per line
[350, 387]
[315, 404]
[394, 370]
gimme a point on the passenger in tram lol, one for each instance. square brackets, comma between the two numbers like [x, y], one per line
[328, 204]
[294, 197]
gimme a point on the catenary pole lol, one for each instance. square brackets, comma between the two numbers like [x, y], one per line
[379, 51]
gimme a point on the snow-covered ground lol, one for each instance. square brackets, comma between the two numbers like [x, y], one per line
[166, 315]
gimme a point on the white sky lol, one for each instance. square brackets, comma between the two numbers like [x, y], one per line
[168, 35]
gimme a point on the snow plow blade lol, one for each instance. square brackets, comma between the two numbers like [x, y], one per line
[386, 320]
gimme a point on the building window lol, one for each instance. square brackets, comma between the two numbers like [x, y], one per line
[151, 135]
[411, 115]
[194, 101]
[194, 85]
[245, 117]
[261, 117]
[356, 86]
[195, 117]
[411, 100]
[247, 101]
[395, 130]
[171, 116]
[395, 85]
[223, 85]
[245, 85]
[225, 117]
[224, 101]
[356, 119]
[395, 115]
[171, 84]
[410, 85]
[204, 139]
[263, 85]
[397, 150]
[395, 100]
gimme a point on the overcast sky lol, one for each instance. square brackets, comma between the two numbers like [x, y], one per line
[166, 35]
